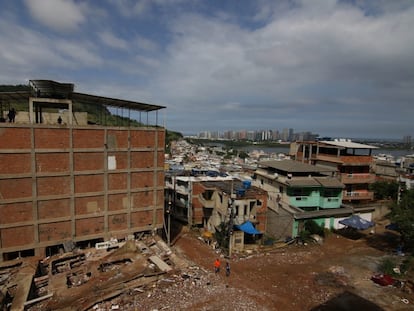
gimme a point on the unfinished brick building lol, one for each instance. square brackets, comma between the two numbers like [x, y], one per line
[74, 183]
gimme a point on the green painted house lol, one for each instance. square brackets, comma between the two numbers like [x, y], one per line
[299, 192]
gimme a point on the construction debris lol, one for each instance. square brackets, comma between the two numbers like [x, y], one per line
[85, 279]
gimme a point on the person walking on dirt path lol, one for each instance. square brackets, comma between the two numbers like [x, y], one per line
[217, 266]
[227, 268]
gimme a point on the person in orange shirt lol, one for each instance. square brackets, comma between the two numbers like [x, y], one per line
[217, 266]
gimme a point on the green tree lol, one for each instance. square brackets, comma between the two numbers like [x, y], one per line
[385, 190]
[243, 155]
[169, 137]
[402, 213]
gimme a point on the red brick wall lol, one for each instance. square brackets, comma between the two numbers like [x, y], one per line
[160, 159]
[16, 212]
[16, 188]
[89, 183]
[143, 139]
[161, 139]
[17, 236]
[117, 202]
[89, 205]
[53, 208]
[51, 138]
[160, 179]
[53, 185]
[53, 157]
[55, 231]
[89, 226]
[15, 138]
[88, 138]
[15, 163]
[86, 161]
[142, 159]
[117, 222]
[160, 217]
[120, 138]
[160, 197]
[117, 181]
[141, 180]
[52, 162]
[141, 219]
[121, 159]
[142, 199]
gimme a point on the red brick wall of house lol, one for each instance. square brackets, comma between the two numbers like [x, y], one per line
[61, 184]
[52, 162]
[53, 208]
[117, 202]
[21, 212]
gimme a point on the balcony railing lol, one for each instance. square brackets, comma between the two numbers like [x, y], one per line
[361, 178]
[358, 195]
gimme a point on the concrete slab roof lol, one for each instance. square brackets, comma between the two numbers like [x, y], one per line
[292, 166]
[303, 182]
[234, 186]
[345, 143]
[326, 182]
[329, 182]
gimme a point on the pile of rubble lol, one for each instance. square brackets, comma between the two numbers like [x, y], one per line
[92, 279]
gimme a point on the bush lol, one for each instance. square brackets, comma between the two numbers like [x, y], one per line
[387, 266]
[313, 228]
[407, 265]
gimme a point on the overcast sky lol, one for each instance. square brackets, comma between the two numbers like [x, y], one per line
[336, 68]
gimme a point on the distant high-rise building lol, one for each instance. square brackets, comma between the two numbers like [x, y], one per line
[407, 140]
[290, 135]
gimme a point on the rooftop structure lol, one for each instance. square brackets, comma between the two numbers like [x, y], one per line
[44, 97]
[351, 160]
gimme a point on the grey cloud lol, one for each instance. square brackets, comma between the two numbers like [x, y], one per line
[301, 61]
[59, 15]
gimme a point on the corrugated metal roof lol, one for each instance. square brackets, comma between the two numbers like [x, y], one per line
[107, 101]
[347, 144]
[53, 89]
[20, 96]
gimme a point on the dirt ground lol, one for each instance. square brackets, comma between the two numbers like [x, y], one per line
[333, 276]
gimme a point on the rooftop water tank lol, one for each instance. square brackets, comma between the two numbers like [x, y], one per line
[247, 184]
[241, 192]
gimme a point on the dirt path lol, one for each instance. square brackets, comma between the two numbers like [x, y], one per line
[296, 277]
[332, 276]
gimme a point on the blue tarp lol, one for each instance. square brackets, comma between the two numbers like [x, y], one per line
[248, 228]
[357, 222]
[392, 226]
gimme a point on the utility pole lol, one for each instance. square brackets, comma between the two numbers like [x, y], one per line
[169, 224]
[230, 224]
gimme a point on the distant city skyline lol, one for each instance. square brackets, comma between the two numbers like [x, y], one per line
[287, 134]
[339, 68]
